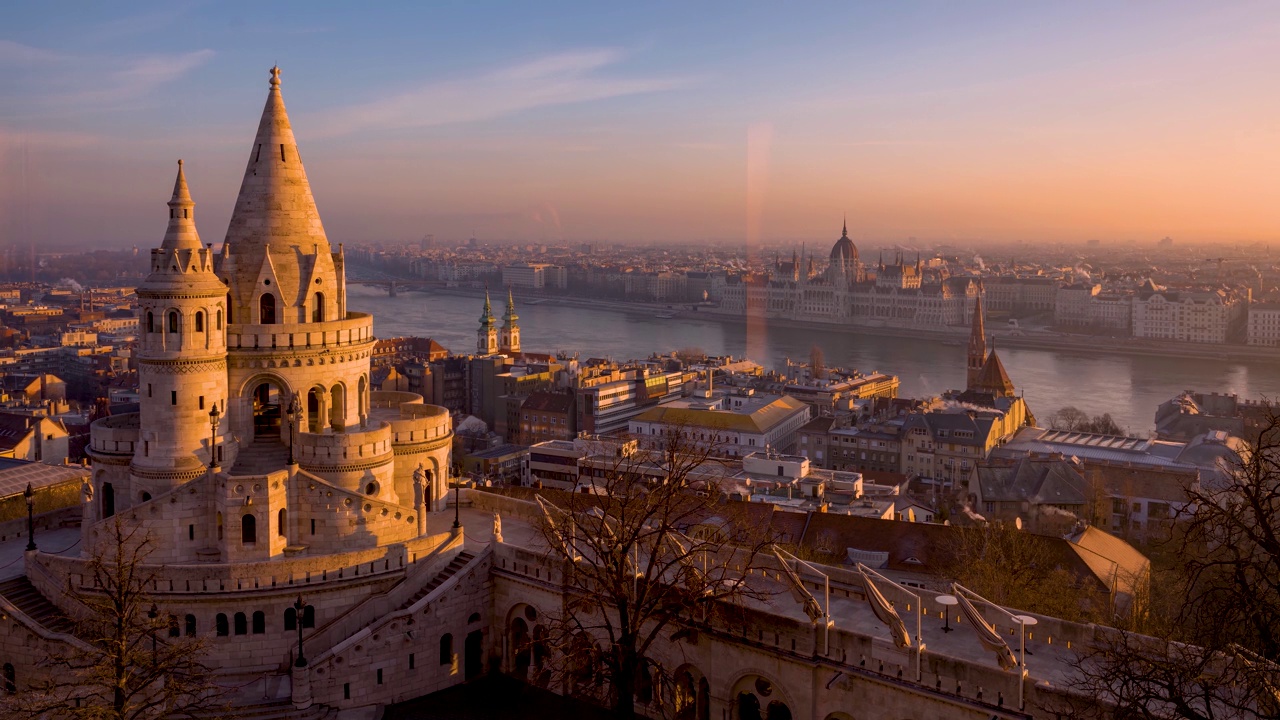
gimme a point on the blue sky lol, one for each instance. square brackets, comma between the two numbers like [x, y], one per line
[653, 121]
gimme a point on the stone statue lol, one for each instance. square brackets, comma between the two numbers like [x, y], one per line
[86, 488]
[419, 476]
[497, 527]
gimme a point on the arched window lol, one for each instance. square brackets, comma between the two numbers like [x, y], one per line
[108, 500]
[259, 622]
[309, 617]
[219, 325]
[199, 321]
[248, 530]
[475, 618]
[220, 622]
[290, 619]
[151, 321]
[191, 625]
[267, 309]
[282, 523]
[145, 496]
[173, 321]
[446, 649]
[317, 308]
[242, 624]
[174, 629]
[219, 521]
[10, 679]
[230, 307]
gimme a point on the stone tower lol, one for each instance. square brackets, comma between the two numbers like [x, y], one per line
[182, 356]
[509, 344]
[977, 347]
[487, 335]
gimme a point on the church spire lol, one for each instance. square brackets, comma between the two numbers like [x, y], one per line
[977, 356]
[510, 316]
[181, 233]
[486, 317]
[844, 231]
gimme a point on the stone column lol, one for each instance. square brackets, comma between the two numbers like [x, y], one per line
[301, 681]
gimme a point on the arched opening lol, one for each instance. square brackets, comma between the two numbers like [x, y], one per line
[200, 321]
[309, 617]
[10, 679]
[475, 618]
[282, 523]
[748, 707]
[249, 530]
[221, 626]
[314, 421]
[151, 322]
[242, 624]
[219, 325]
[175, 630]
[757, 698]
[267, 309]
[777, 710]
[290, 620]
[230, 307]
[108, 500]
[174, 321]
[473, 652]
[521, 653]
[259, 622]
[266, 410]
[690, 688]
[219, 521]
[317, 308]
[704, 700]
[446, 649]
[190, 625]
[338, 407]
[145, 496]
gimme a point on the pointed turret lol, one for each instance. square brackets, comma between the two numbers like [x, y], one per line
[509, 341]
[487, 334]
[181, 233]
[486, 317]
[993, 378]
[275, 231]
[977, 356]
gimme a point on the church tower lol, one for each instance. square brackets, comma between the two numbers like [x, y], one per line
[487, 335]
[182, 357]
[977, 347]
[509, 344]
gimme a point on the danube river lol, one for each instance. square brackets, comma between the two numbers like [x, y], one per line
[1128, 387]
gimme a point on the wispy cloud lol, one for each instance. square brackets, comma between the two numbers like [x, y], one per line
[559, 79]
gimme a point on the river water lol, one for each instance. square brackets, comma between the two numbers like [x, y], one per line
[1128, 387]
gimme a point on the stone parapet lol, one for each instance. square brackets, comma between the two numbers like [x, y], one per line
[114, 435]
[344, 450]
[355, 331]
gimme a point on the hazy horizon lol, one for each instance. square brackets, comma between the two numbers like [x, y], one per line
[946, 122]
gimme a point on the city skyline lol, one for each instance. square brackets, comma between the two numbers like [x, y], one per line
[946, 123]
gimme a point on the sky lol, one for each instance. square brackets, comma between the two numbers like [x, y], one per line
[653, 122]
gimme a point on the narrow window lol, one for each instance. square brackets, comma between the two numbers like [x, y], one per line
[379, 676]
[248, 530]
[230, 307]
[411, 661]
[242, 624]
[317, 308]
[186, 213]
[148, 389]
[290, 619]
[309, 617]
[259, 622]
[10, 679]
[313, 526]
[282, 522]
[267, 309]
[151, 322]
[191, 625]
[258, 153]
[222, 627]
[219, 518]
[346, 691]
[191, 532]
[174, 629]
[446, 649]
[173, 321]
[281, 152]
[219, 326]
[200, 321]
[173, 397]
[201, 402]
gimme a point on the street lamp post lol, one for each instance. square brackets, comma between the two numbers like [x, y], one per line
[298, 607]
[295, 409]
[152, 614]
[457, 504]
[213, 436]
[29, 494]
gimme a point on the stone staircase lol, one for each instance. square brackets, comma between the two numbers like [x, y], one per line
[29, 600]
[281, 709]
[260, 457]
[456, 564]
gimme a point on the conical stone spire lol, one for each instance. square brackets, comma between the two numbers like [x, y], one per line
[510, 315]
[181, 233]
[486, 317]
[977, 356]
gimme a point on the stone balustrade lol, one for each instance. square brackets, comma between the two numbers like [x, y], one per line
[116, 434]
[355, 330]
[343, 448]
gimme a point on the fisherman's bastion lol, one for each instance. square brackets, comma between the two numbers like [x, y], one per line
[267, 470]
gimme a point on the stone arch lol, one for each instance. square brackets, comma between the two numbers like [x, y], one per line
[151, 322]
[754, 695]
[268, 394]
[199, 326]
[173, 321]
[691, 696]
[108, 500]
[520, 632]
[338, 406]
[317, 398]
[248, 529]
[317, 307]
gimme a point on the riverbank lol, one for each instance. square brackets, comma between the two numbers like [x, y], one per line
[1028, 339]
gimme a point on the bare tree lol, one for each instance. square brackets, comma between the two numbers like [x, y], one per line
[1210, 646]
[131, 665]
[1076, 420]
[653, 547]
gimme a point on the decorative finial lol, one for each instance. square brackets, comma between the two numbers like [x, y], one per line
[179, 162]
[844, 232]
[275, 75]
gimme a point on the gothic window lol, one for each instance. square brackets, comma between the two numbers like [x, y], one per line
[173, 321]
[242, 624]
[199, 321]
[223, 629]
[248, 529]
[259, 622]
[191, 625]
[267, 309]
[317, 308]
